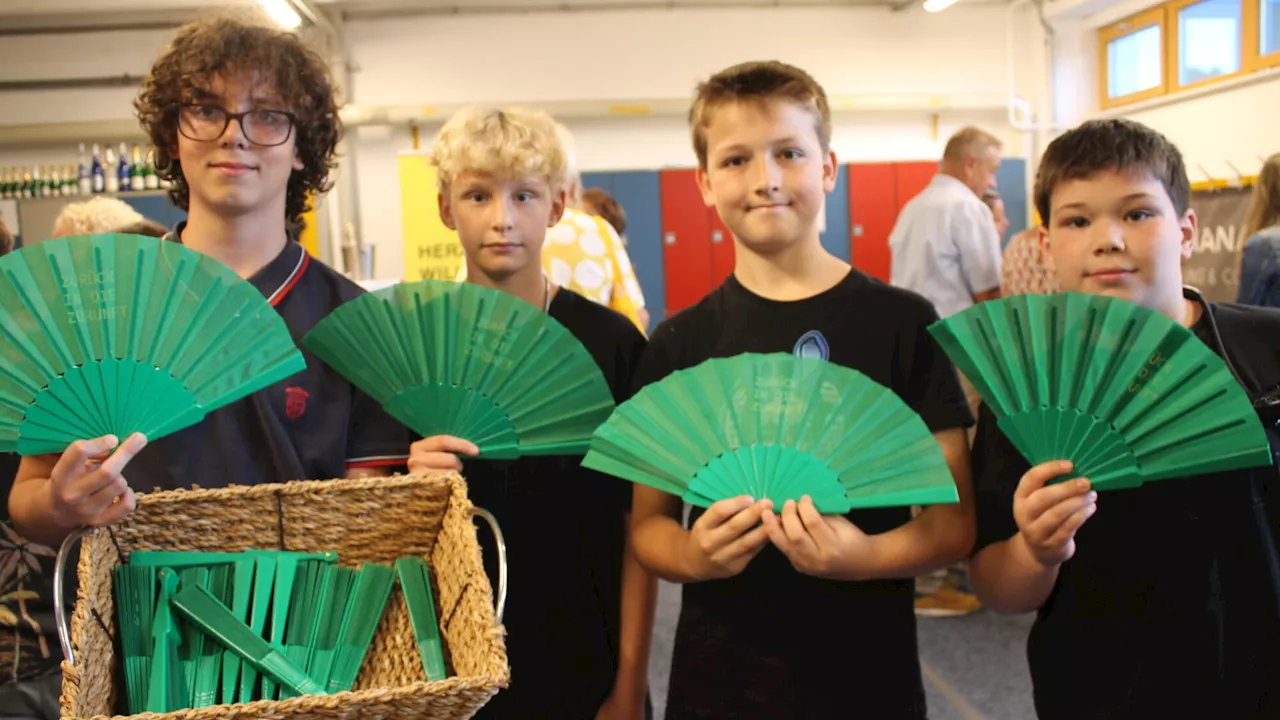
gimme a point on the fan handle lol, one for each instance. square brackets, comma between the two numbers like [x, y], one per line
[502, 557]
[64, 552]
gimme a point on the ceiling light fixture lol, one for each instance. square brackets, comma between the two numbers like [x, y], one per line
[938, 5]
[282, 12]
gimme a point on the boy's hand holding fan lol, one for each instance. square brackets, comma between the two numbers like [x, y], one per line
[86, 484]
[825, 546]
[1049, 516]
[724, 540]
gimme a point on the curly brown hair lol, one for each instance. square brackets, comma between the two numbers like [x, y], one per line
[227, 46]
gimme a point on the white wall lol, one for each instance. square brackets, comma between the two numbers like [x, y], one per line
[955, 57]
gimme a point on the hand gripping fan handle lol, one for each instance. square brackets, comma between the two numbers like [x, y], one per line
[502, 558]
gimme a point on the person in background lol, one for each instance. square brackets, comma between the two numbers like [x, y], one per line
[95, 215]
[597, 202]
[946, 247]
[991, 198]
[1260, 261]
[1026, 267]
[144, 227]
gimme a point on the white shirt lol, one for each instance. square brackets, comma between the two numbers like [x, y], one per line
[945, 246]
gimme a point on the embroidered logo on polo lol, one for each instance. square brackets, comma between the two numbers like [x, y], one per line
[812, 345]
[295, 403]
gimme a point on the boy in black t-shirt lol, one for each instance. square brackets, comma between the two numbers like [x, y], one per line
[1164, 600]
[581, 610]
[788, 614]
[245, 124]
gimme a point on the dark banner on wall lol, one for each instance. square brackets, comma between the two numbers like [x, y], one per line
[1214, 267]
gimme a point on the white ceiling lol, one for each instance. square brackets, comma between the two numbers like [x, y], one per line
[22, 14]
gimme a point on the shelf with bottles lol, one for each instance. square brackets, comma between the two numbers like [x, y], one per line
[93, 174]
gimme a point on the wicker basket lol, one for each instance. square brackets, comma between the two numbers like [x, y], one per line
[375, 520]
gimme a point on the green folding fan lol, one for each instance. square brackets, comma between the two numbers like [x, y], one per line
[1122, 391]
[459, 359]
[115, 334]
[779, 427]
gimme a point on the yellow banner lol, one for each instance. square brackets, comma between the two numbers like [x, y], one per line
[431, 250]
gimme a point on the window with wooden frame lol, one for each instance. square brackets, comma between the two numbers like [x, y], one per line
[1132, 58]
[1205, 40]
[1261, 22]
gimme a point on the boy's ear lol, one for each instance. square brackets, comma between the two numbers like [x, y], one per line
[704, 185]
[297, 161]
[446, 211]
[829, 169]
[1188, 226]
[558, 201]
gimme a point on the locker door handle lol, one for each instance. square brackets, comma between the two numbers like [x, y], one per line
[669, 238]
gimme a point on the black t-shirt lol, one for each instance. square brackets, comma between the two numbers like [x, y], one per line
[772, 642]
[564, 530]
[313, 425]
[1171, 605]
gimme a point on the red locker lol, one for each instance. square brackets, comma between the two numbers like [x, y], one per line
[912, 178]
[873, 208]
[686, 240]
[722, 250]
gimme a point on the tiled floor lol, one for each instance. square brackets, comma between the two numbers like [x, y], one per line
[974, 666]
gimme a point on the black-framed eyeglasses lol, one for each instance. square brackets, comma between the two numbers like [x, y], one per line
[205, 123]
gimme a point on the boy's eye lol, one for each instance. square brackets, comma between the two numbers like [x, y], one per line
[734, 161]
[474, 197]
[1137, 215]
[1075, 222]
[524, 196]
[790, 154]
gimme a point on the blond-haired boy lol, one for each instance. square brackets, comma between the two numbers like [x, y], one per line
[581, 613]
[788, 613]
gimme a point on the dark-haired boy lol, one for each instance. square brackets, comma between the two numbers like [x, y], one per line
[1162, 601]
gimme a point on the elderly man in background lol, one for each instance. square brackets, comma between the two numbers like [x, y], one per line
[95, 215]
[946, 247]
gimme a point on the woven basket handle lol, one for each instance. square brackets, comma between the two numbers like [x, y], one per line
[59, 602]
[502, 557]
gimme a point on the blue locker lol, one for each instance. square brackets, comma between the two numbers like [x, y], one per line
[836, 237]
[640, 196]
[1011, 181]
[602, 180]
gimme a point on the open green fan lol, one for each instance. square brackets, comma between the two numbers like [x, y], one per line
[457, 359]
[1122, 391]
[774, 426]
[115, 334]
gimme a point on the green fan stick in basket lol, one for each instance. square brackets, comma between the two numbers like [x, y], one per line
[372, 590]
[214, 618]
[333, 606]
[116, 334]
[135, 609]
[1123, 392]
[314, 577]
[168, 686]
[287, 564]
[192, 647]
[415, 582]
[457, 359]
[774, 426]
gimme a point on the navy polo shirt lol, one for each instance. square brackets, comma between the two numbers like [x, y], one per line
[314, 425]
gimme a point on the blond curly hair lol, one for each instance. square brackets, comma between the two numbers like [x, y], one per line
[96, 215]
[508, 142]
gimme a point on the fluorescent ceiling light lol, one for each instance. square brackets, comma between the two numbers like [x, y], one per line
[938, 5]
[282, 12]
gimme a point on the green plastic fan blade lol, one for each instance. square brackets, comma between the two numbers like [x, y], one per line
[1122, 391]
[192, 647]
[114, 334]
[453, 358]
[168, 688]
[452, 410]
[774, 426]
[368, 599]
[329, 623]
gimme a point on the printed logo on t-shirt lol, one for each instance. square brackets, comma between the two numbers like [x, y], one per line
[812, 345]
[295, 403]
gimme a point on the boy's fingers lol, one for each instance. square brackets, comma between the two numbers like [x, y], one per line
[71, 464]
[114, 465]
[1037, 476]
[1068, 528]
[747, 545]
[1047, 524]
[445, 444]
[1043, 500]
[722, 510]
[794, 528]
[423, 462]
[737, 525]
[117, 510]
